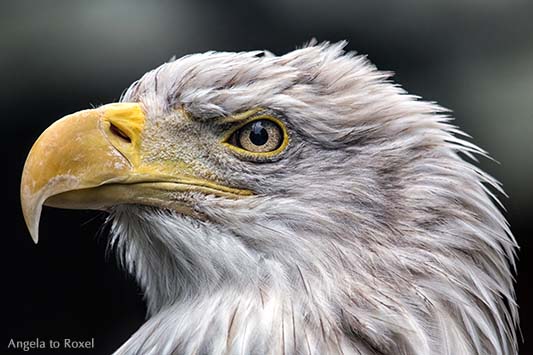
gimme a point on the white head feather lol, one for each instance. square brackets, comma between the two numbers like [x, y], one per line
[368, 235]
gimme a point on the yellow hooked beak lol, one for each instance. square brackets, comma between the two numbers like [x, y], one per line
[92, 159]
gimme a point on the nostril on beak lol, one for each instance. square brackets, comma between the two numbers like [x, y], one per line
[119, 133]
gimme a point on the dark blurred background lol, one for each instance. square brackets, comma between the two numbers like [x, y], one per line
[57, 57]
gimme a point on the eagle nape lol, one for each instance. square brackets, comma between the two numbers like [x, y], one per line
[293, 204]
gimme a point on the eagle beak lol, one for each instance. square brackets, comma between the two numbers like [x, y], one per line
[87, 149]
[92, 159]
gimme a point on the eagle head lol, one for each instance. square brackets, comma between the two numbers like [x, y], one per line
[294, 204]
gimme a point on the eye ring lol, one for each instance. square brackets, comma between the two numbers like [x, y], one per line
[262, 136]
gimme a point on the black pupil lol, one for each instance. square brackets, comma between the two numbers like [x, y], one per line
[258, 134]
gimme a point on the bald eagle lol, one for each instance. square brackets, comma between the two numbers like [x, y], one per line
[294, 204]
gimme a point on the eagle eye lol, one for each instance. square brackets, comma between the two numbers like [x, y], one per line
[262, 135]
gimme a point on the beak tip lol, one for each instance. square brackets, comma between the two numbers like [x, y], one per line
[32, 215]
[34, 232]
[33, 228]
